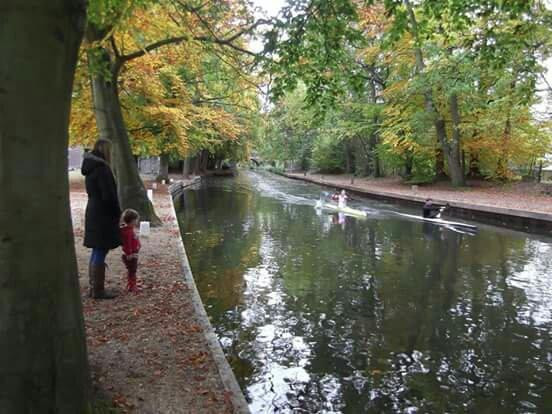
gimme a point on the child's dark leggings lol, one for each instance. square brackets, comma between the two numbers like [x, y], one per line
[131, 265]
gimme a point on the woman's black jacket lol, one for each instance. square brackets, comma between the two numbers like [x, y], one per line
[101, 224]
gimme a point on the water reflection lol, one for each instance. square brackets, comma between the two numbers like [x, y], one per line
[321, 313]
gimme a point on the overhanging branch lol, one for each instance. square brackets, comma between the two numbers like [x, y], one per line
[152, 46]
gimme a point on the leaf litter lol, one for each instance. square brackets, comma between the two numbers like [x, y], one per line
[147, 350]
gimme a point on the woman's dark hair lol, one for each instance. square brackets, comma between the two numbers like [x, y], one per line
[129, 215]
[102, 148]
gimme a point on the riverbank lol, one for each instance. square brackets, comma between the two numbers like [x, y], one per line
[523, 206]
[151, 352]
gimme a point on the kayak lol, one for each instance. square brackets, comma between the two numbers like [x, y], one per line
[440, 221]
[345, 210]
[461, 230]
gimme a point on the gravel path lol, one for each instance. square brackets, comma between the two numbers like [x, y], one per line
[147, 351]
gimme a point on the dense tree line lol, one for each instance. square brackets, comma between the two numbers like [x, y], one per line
[426, 89]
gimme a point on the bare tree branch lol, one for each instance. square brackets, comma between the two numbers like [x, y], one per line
[546, 83]
[152, 46]
[114, 46]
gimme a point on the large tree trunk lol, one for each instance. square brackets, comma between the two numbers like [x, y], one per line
[374, 136]
[163, 168]
[111, 125]
[187, 167]
[203, 161]
[454, 155]
[408, 165]
[43, 363]
[349, 158]
[363, 147]
[474, 170]
[439, 163]
[373, 158]
[502, 163]
[502, 170]
[450, 149]
[194, 162]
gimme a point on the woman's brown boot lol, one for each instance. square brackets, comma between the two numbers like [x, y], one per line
[90, 280]
[99, 283]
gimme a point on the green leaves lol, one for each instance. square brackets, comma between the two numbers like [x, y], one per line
[105, 14]
[370, 69]
[313, 42]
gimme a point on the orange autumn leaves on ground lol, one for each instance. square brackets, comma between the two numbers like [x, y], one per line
[179, 98]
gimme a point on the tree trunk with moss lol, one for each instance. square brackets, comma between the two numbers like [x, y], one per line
[111, 125]
[43, 362]
[450, 148]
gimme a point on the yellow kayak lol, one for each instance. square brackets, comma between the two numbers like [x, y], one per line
[345, 210]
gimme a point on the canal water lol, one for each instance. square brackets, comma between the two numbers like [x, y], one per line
[322, 313]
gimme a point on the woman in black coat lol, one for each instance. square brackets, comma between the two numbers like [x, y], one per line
[101, 225]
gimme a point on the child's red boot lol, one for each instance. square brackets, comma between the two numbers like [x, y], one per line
[131, 284]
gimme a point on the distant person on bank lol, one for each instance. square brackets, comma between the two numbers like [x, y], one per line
[131, 246]
[431, 210]
[101, 225]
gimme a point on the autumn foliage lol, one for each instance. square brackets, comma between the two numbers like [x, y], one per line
[424, 89]
[185, 96]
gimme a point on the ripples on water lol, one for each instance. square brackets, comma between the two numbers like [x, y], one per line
[321, 313]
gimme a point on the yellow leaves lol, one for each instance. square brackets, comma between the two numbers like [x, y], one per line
[167, 101]
[397, 88]
[401, 144]
[82, 126]
[178, 98]
[370, 54]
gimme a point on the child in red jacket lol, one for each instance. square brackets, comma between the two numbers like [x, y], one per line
[131, 246]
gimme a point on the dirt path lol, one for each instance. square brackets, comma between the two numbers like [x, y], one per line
[529, 197]
[147, 351]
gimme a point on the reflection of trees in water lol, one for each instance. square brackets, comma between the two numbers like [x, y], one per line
[396, 313]
[210, 237]
[466, 334]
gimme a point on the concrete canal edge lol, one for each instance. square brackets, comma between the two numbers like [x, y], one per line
[522, 220]
[226, 374]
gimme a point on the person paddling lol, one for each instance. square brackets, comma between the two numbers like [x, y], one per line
[341, 199]
[431, 210]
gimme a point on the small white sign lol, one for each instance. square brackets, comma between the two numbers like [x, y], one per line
[144, 228]
[150, 195]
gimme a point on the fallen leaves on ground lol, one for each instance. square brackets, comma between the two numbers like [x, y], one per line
[147, 350]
